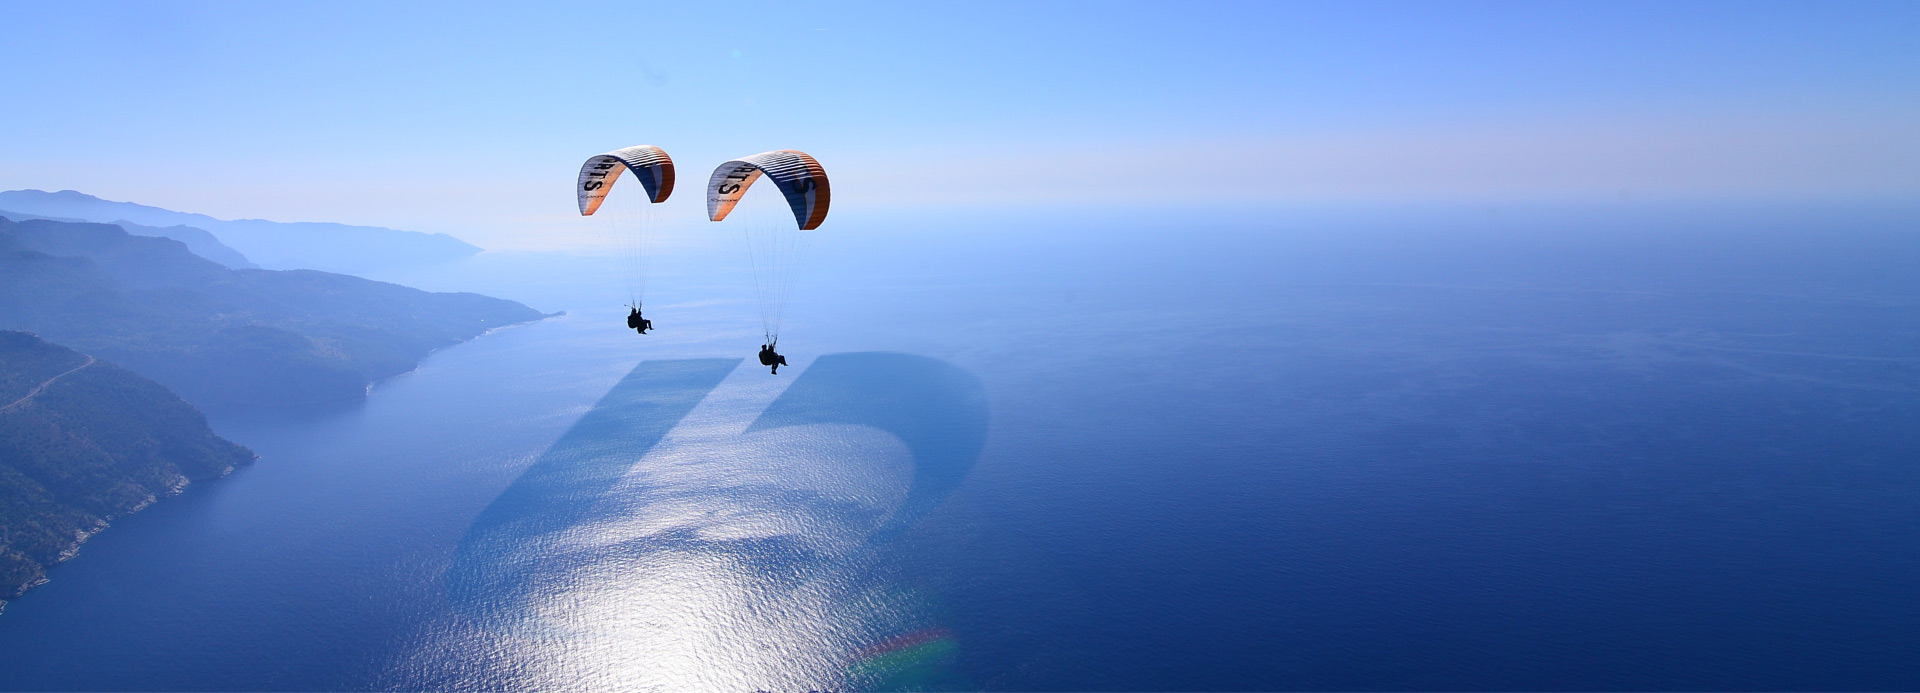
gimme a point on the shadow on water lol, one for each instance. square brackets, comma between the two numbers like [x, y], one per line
[523, 554]
[502, 550]
[939, 411]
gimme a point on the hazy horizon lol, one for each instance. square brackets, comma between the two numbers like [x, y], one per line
[469, 122]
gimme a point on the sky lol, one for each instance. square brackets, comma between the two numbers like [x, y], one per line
[471, 118]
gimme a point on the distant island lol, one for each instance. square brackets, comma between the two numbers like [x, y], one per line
[270, 244]
[83, 442]
[221, 337]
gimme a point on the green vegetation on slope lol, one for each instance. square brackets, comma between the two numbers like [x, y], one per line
[82, 442]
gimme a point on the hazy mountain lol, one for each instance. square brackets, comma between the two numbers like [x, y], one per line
[199, 241]
[83, 442]
[271, 244]
[223, 337]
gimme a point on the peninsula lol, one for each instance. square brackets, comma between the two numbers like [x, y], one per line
[221, 337]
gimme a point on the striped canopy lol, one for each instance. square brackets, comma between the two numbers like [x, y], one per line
[649, 163]
[800, 179]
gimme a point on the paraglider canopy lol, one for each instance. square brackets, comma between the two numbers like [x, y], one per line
[800, 179]
[774, 246]
[648, 163]
[629, 222]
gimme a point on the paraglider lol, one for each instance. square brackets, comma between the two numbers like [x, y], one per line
[629, 222]
[774, 245]
[769, 358]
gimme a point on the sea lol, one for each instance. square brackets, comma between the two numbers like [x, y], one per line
[1626, 445]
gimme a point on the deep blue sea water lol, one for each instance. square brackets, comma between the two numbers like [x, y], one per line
[1614, 447]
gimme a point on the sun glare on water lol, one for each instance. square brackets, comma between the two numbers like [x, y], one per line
[722, 561]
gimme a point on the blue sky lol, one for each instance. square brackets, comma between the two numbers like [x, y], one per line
[471, 120]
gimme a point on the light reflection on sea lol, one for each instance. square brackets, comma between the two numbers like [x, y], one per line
[694, 532]
[702, 569]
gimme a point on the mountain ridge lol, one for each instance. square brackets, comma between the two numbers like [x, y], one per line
[342, 248]
[196, 239]
[221, 337]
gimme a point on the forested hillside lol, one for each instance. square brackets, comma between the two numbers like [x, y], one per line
[82, 442]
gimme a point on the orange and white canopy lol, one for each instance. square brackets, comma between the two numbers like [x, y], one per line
[648, 163]
[800, 179]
